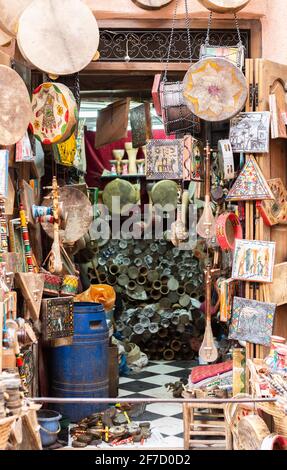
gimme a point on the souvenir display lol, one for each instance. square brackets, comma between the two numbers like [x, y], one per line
[224, 6]
[228, 229]
[250, 184]
[24, 151]
[164, 159]
[140, 119]
[249, 132]
[16, 106]
[55, 113]
[226, 159]
[39, 36]
[58, 318]
[214, 89]
[208, 351]
[113, 122]
[78, 214]
[275, 211]
[10, 14]
[253, 260]
[4, 159]
[252, 321]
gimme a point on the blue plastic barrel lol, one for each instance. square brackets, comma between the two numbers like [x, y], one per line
[81, 369]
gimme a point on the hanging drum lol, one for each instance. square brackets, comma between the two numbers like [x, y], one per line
[11, 10]
[77, 214]
[214, 89]
[224, 6]
[176, 116]
[15, 106]
[55, 113]
[58, 37]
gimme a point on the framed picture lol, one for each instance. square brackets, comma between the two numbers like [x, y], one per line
[164, 159]
[252, 321]
[249, 132]
[4, 161]
[140, 119]
[253, 260]
[17, 245]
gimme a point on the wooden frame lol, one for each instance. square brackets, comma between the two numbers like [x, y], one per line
[146, 68]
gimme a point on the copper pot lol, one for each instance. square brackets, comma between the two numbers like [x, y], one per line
[114, 269]
[141, 280]
[164, 289]
[156, 285]
[143, 271]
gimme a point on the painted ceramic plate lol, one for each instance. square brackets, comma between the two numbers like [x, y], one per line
[214, 89]
[224, 6]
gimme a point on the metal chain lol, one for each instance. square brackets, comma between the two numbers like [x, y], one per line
[208, 29]
[171, 40]
[187, 23]
[238, 29]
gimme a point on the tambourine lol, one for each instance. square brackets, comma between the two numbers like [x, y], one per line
[214, 89]
[55, 113]
[15, 106]
[228, 228]
[224, 6]
[58, 37]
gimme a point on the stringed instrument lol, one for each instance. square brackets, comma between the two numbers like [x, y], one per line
[208, 351]
[55, 260]
[206, 224]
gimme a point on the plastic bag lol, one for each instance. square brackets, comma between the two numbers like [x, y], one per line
[100, 293]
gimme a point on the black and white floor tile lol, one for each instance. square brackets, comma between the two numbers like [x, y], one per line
[150, 383]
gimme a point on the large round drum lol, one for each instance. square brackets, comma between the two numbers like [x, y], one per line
[224, 6]
[215, 89]
[59, 37]
[77, 214]
[55, 113]
[11, 10]
[15, 106]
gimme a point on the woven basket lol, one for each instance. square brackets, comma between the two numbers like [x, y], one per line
[5, 429]
[233, 413]
[279, 417]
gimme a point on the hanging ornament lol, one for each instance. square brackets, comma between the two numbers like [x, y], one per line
[214, 89]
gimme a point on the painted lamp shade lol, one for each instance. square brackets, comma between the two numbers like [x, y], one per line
[215, 89]
[55, 113]
[224, 6]
[15, 106]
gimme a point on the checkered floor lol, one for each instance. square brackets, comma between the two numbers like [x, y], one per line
[150, 382]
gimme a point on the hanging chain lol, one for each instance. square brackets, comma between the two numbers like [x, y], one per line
[207, 39]
[238, 29]
[171, 40]
[187, 23]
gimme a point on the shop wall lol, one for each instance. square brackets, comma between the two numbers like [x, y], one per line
[271, 13]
